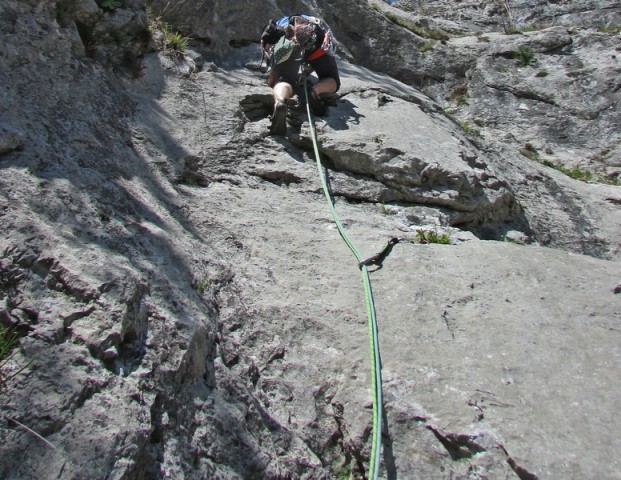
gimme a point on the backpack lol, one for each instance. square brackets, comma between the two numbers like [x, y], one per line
[273, 31]
[282, 51]
[274, 45]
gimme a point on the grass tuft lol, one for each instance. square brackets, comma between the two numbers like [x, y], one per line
[524, 55]
[8, 338]
[432, 236]
[469, 129]
[172, 42]
[576, 172]
[431, 33]
[111, 4]
[426, 46]
[530, 152]
[459, 94]
[610, 29]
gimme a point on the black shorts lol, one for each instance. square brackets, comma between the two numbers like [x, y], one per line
[288, 71]
[324, 66]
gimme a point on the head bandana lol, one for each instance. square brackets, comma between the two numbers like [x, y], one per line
[305, 36]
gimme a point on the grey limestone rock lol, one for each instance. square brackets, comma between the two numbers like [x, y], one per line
[185, 307]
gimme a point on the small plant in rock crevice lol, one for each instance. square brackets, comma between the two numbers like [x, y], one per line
[426, 47]
[533, 27]
[610, 29]
[110, 4]
[202, 284]
[8, 339]
[459, 94]
[612, 180]
[602, 154]
[174, 43]
[576, 172]
[434, 34]
[432, 236]
[481, 37]
[530, 152]
[104, 215]
[504, 238]
[469, 129]
[171, 42]
[524, 55]
[343, 473]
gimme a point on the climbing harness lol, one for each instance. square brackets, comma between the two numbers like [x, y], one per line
[376, 370]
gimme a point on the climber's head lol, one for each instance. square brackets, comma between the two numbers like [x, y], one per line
[305, 36]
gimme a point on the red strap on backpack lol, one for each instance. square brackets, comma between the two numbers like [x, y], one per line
[316, 54]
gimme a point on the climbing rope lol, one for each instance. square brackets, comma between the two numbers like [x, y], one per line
[376, 370]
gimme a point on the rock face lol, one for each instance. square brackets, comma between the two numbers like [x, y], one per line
[185, 306]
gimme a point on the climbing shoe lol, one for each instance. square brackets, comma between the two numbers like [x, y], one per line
[279, 119]
[317, 106]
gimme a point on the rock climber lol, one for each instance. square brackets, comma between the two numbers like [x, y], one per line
[302, 39]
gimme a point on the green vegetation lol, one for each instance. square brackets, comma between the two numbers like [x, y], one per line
[117, 36]
[426, 46]
[202, 284]
[506, 239]
[434, 34]
[343, 473]
[459, 94]
[541, 73]
[481, 37]
[602, 154]
[172, 42]
[469, 129]
[431, 236]
[524, 55]
[110, 4]
[576, 173]
[8, 339]
[533, 27]
[610, 29]
[530, 152]
[103, 215]
[611, 180]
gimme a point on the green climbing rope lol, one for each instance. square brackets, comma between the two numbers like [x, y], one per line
[376, 370]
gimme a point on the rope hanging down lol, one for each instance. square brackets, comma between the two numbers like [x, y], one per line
[376, 371]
